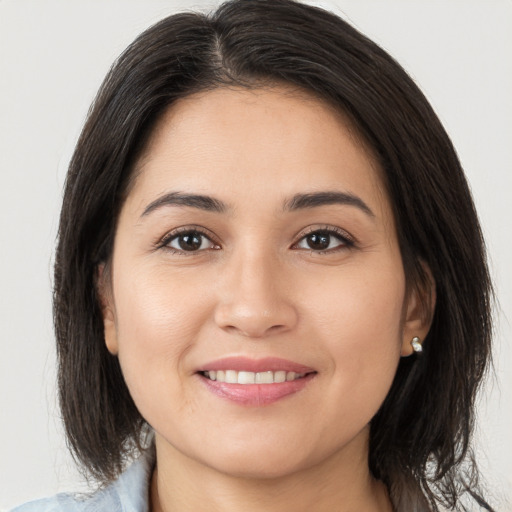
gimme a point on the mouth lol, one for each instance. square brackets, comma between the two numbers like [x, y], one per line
[250, 382]
[246, 377]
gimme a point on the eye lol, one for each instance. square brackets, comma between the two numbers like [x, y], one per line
[323, 240]
[189, 241]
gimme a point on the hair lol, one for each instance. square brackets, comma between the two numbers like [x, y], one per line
[420, 437]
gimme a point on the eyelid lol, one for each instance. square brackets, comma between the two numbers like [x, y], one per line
[163, 241]
[347, 239]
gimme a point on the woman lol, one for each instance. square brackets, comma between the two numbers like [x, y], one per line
[262, 277]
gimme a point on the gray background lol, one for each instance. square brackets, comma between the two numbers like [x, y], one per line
[53, 56]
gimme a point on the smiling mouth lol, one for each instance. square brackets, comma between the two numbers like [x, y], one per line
[244, 377]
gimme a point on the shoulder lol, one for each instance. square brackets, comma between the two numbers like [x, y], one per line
[58, 503]
[107, 501]
[129, 493]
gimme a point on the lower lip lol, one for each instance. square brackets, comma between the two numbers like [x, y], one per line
[256, 394]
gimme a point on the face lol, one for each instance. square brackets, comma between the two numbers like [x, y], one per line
[256, 298]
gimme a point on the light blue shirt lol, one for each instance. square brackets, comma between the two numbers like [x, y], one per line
[129, 493]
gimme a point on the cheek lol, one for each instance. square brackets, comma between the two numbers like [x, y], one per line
[157, 325]
[156, 311]
[364, 303]
[360, 322]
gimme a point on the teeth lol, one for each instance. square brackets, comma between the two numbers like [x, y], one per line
[234, 377]
[280, 376]
[264, 378]
[246, 377]
[231, 376]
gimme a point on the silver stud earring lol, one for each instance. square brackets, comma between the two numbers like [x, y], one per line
[416, 345]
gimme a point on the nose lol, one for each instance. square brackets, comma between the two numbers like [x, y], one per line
[254, 297]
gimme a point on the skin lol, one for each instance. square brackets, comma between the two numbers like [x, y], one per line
[255, 288]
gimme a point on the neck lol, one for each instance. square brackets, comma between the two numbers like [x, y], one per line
[341, 483]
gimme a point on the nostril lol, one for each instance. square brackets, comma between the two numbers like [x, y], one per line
[247, 316]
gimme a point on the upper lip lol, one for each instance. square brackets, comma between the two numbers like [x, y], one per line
[240, 363]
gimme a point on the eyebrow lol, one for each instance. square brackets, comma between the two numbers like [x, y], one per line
[316, 199]
[202, 202]
[297, 202]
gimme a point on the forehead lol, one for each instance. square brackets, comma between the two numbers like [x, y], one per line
[268, 140]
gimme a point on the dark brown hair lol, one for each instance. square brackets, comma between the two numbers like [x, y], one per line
[420, 438]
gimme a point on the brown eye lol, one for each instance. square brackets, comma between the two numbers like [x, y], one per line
[190, 241]
[323, 241]
[318, 241]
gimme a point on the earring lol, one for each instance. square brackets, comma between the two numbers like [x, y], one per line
[416, 345]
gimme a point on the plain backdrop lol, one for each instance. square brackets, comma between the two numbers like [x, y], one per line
[53, 56]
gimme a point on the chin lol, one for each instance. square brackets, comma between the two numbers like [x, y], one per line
[264, 460]
[259, 469]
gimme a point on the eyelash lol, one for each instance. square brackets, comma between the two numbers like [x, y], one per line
[164, 242]
[347, 241]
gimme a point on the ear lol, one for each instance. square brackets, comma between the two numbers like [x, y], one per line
[106, 299]
[418, 311]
